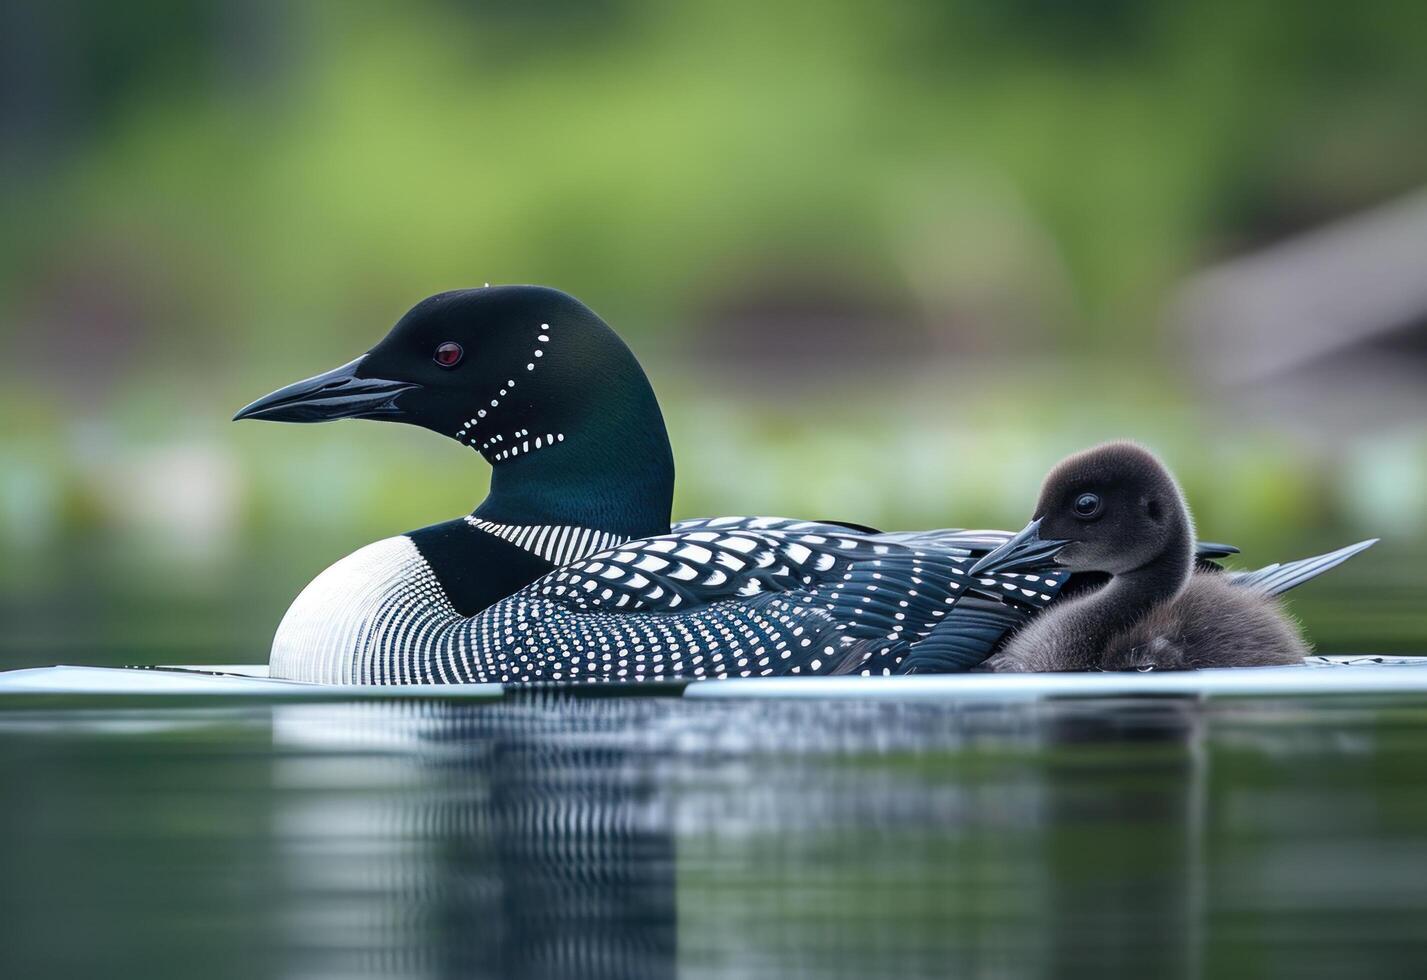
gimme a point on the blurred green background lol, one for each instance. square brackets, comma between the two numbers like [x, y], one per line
[884, 262]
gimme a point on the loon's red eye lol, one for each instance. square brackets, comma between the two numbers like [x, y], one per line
[448, 355]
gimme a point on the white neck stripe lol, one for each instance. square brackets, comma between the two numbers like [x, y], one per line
[558, 544]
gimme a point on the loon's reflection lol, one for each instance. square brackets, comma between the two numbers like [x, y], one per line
[559, 835]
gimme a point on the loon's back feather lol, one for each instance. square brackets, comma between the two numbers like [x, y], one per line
[733, 597]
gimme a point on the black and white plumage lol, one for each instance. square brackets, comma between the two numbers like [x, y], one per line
[734, 597]
[721, 597]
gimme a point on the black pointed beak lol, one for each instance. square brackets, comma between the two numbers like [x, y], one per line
[338, 394]
[1027, 551]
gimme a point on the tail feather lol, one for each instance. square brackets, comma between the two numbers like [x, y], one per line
[1279, 578]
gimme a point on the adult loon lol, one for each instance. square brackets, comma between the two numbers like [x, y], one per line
[1117, 510]
[550, 397]
[558, 405]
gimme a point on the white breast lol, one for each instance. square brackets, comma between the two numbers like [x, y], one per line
[360, 620]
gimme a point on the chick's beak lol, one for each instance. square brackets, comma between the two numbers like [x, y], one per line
[1026, 551]
[337, 394]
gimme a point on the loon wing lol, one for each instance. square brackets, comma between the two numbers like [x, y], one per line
[715, 602]
[692, 568]
[1279, 578]
[1205, 552]
[964, 639]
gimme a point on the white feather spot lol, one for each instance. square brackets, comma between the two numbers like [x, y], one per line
[696, 553]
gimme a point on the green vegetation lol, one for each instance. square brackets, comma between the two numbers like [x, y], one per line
[216, 203]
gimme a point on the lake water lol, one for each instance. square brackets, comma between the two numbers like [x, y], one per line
[637, 836]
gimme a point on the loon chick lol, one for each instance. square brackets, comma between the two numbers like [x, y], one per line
[1116, 510]
[553, 400]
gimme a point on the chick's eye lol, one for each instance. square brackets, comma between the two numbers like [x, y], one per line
[448, 354]
[1087, 505]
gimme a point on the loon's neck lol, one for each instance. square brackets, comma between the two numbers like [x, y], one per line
[621, 483]
[1092, 622]
[1127, 597]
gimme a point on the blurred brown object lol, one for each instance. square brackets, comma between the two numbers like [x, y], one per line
[1324, 332]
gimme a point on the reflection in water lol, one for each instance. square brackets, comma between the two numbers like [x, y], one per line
[597, 836]
[522, 839]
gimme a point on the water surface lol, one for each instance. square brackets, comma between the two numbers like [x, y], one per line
[606, 836]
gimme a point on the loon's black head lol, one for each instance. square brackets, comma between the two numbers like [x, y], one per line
[528, 376]
[1114, 508]
[484, 366]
